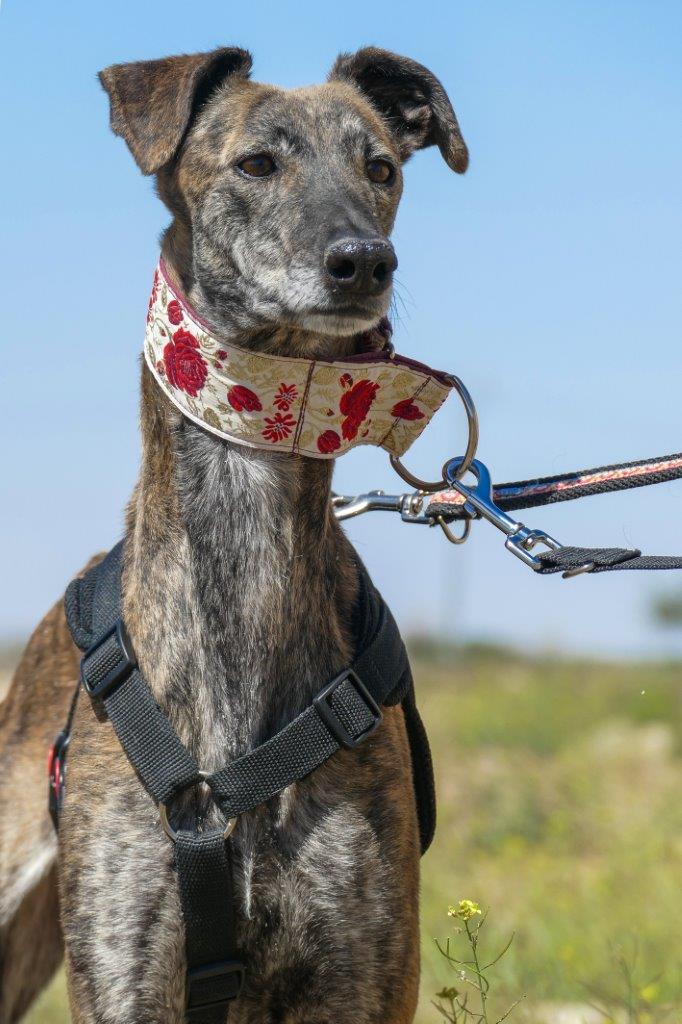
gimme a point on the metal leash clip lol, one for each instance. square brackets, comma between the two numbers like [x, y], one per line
[408, 505]
[480, 505]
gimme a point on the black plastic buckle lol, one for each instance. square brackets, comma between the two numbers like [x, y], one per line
[124, 665]
[56, 774]
[336, 727]
[206, 981]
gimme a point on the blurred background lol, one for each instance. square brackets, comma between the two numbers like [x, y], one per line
[548, 278]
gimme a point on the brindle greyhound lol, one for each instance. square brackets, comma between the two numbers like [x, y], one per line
[238, 583]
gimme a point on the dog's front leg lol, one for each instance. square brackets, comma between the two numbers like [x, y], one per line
[121, 913]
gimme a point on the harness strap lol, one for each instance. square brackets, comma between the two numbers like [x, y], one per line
[343, 714]
[93, 602]
[205, 882]
[110, 675]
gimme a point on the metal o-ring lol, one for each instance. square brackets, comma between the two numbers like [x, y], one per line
[469, 454]
[172, 834]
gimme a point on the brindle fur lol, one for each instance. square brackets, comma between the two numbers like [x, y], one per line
[238, 587]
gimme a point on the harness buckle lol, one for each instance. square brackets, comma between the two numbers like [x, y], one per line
[323, 706]
[211, 985]
[108, 662]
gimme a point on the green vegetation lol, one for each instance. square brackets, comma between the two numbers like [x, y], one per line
[468, 1001]
[560, 809]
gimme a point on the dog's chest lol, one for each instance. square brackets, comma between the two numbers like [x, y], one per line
[241, 605]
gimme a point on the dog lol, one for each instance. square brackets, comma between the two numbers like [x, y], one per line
[238, 583]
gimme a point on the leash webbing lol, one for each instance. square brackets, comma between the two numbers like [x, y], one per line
[570, 559]
[460, 502]
[548, 490]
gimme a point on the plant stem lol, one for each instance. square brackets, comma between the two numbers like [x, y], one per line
[473, 942]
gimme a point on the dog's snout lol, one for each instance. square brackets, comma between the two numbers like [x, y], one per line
[361, 266]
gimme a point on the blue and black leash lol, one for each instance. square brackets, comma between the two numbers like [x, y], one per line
[458, 501]
[566, 559]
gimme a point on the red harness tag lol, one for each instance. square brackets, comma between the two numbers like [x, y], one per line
[56, 774]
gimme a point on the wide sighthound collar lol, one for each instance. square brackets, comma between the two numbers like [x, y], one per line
[315, 407]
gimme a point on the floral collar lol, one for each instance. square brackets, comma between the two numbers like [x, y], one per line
[310, 407]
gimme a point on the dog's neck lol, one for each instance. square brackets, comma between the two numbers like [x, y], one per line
[213, 478]
[238, 581]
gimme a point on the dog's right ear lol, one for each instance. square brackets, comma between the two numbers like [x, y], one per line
[152, 101]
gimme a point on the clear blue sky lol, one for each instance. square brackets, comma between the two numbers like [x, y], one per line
[548, 278]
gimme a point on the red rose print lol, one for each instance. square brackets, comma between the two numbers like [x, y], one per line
[185, 367]
[355, 405]
[286, 395]
[183, 337]
[243, 399]
[221, 354]
[357, 401]
[345, 380]
[278, 426]
[407, 410]
[328, 442]
[174, 310]
[152, 297]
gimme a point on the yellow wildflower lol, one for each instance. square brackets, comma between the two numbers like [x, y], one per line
[649, 992]
[465, 910]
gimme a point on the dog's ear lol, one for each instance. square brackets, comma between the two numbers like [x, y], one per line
[411, 99]
[152, 101]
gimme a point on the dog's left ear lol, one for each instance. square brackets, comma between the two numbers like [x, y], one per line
[411, 100]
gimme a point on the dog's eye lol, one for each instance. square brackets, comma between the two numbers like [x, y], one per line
[381, 172]
[257, 166]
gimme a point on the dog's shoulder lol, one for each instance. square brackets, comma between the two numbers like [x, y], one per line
[44, 680]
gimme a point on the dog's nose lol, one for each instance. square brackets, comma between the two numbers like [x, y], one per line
[363, 266]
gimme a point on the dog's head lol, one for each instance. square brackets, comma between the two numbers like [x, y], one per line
[283, 201]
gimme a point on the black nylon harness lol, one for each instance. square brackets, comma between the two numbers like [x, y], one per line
[344, 713]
